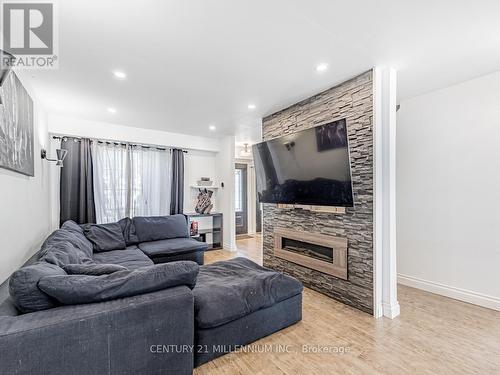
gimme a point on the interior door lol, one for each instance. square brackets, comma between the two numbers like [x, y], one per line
[241, 204]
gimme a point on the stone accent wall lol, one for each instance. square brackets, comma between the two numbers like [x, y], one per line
[352, 100]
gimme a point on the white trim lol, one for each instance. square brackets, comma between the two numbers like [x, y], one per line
[385, 301]
[390, 310]
[227, 246]
[251, 195]
[451, 292]
[377, 196]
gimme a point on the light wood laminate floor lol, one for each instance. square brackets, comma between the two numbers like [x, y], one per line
[433, 335]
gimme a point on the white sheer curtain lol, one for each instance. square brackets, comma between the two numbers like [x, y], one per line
[130, 181]
[111, 181]
[150, 181]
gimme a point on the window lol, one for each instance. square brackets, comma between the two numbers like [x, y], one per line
[110, 181]
[150, 182]
[130, 181]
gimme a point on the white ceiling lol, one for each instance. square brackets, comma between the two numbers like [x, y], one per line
[200, 62]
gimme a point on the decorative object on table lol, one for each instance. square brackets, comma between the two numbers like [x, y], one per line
[16, 127]
[204, 205]
[204, 181]
[193, 228]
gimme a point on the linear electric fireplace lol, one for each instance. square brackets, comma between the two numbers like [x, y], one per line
[327, 254]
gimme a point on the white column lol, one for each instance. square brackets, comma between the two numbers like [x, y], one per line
[385, 275]
[225, 160]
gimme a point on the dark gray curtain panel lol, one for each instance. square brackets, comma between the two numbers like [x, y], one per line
[177, 192]
[77, 184]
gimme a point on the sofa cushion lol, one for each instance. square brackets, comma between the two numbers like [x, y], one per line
[7, 306]
[105, 237]
[63, 253]
[172, 246]
[92, 269]
[228, 290]
[128, 230]
[60, 239]
[71, 226]
[156, 228]
[78, 239]
[130, 258]
[77, 289]
[23, 287]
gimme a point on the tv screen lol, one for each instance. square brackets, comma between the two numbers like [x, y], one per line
[310, 167]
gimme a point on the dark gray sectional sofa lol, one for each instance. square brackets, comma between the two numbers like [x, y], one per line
[83, 306]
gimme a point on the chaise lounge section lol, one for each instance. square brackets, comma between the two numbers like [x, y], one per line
[237, 302]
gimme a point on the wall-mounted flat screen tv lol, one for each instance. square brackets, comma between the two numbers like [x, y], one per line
[310, 167]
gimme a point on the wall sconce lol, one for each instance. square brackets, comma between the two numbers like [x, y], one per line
[61, 155]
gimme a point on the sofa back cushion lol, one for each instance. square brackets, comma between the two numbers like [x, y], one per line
[72, 233]
[156, 228]
[105, 237]
[71, 226]
[7, 306]
[23, 287]
[128, 230]
[66, 246]
[63, 253]
[77, 289]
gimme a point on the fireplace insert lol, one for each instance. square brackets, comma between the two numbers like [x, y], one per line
[308, 249]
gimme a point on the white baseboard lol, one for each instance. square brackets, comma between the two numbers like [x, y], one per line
[390, 311]
[227, 246]
[386, 310]
[451, 292]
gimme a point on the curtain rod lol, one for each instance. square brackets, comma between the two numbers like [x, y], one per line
[117, 143]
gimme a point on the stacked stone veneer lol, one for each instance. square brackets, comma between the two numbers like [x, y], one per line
[352, 100]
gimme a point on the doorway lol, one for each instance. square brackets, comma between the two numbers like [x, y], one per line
[241, 198]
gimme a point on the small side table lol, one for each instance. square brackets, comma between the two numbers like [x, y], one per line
[215, 231]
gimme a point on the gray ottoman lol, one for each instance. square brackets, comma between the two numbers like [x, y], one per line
[237, 302]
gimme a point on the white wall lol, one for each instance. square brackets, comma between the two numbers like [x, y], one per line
[24, 202]
[448, 191]
[199, 164]
[103, 130]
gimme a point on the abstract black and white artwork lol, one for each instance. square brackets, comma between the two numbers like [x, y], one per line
[331, 136]
[16, 127]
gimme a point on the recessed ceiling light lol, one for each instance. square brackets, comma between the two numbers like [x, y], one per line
[111, 110]
[212, 127]
[119, 74]
[251, 106]
[321, 67]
